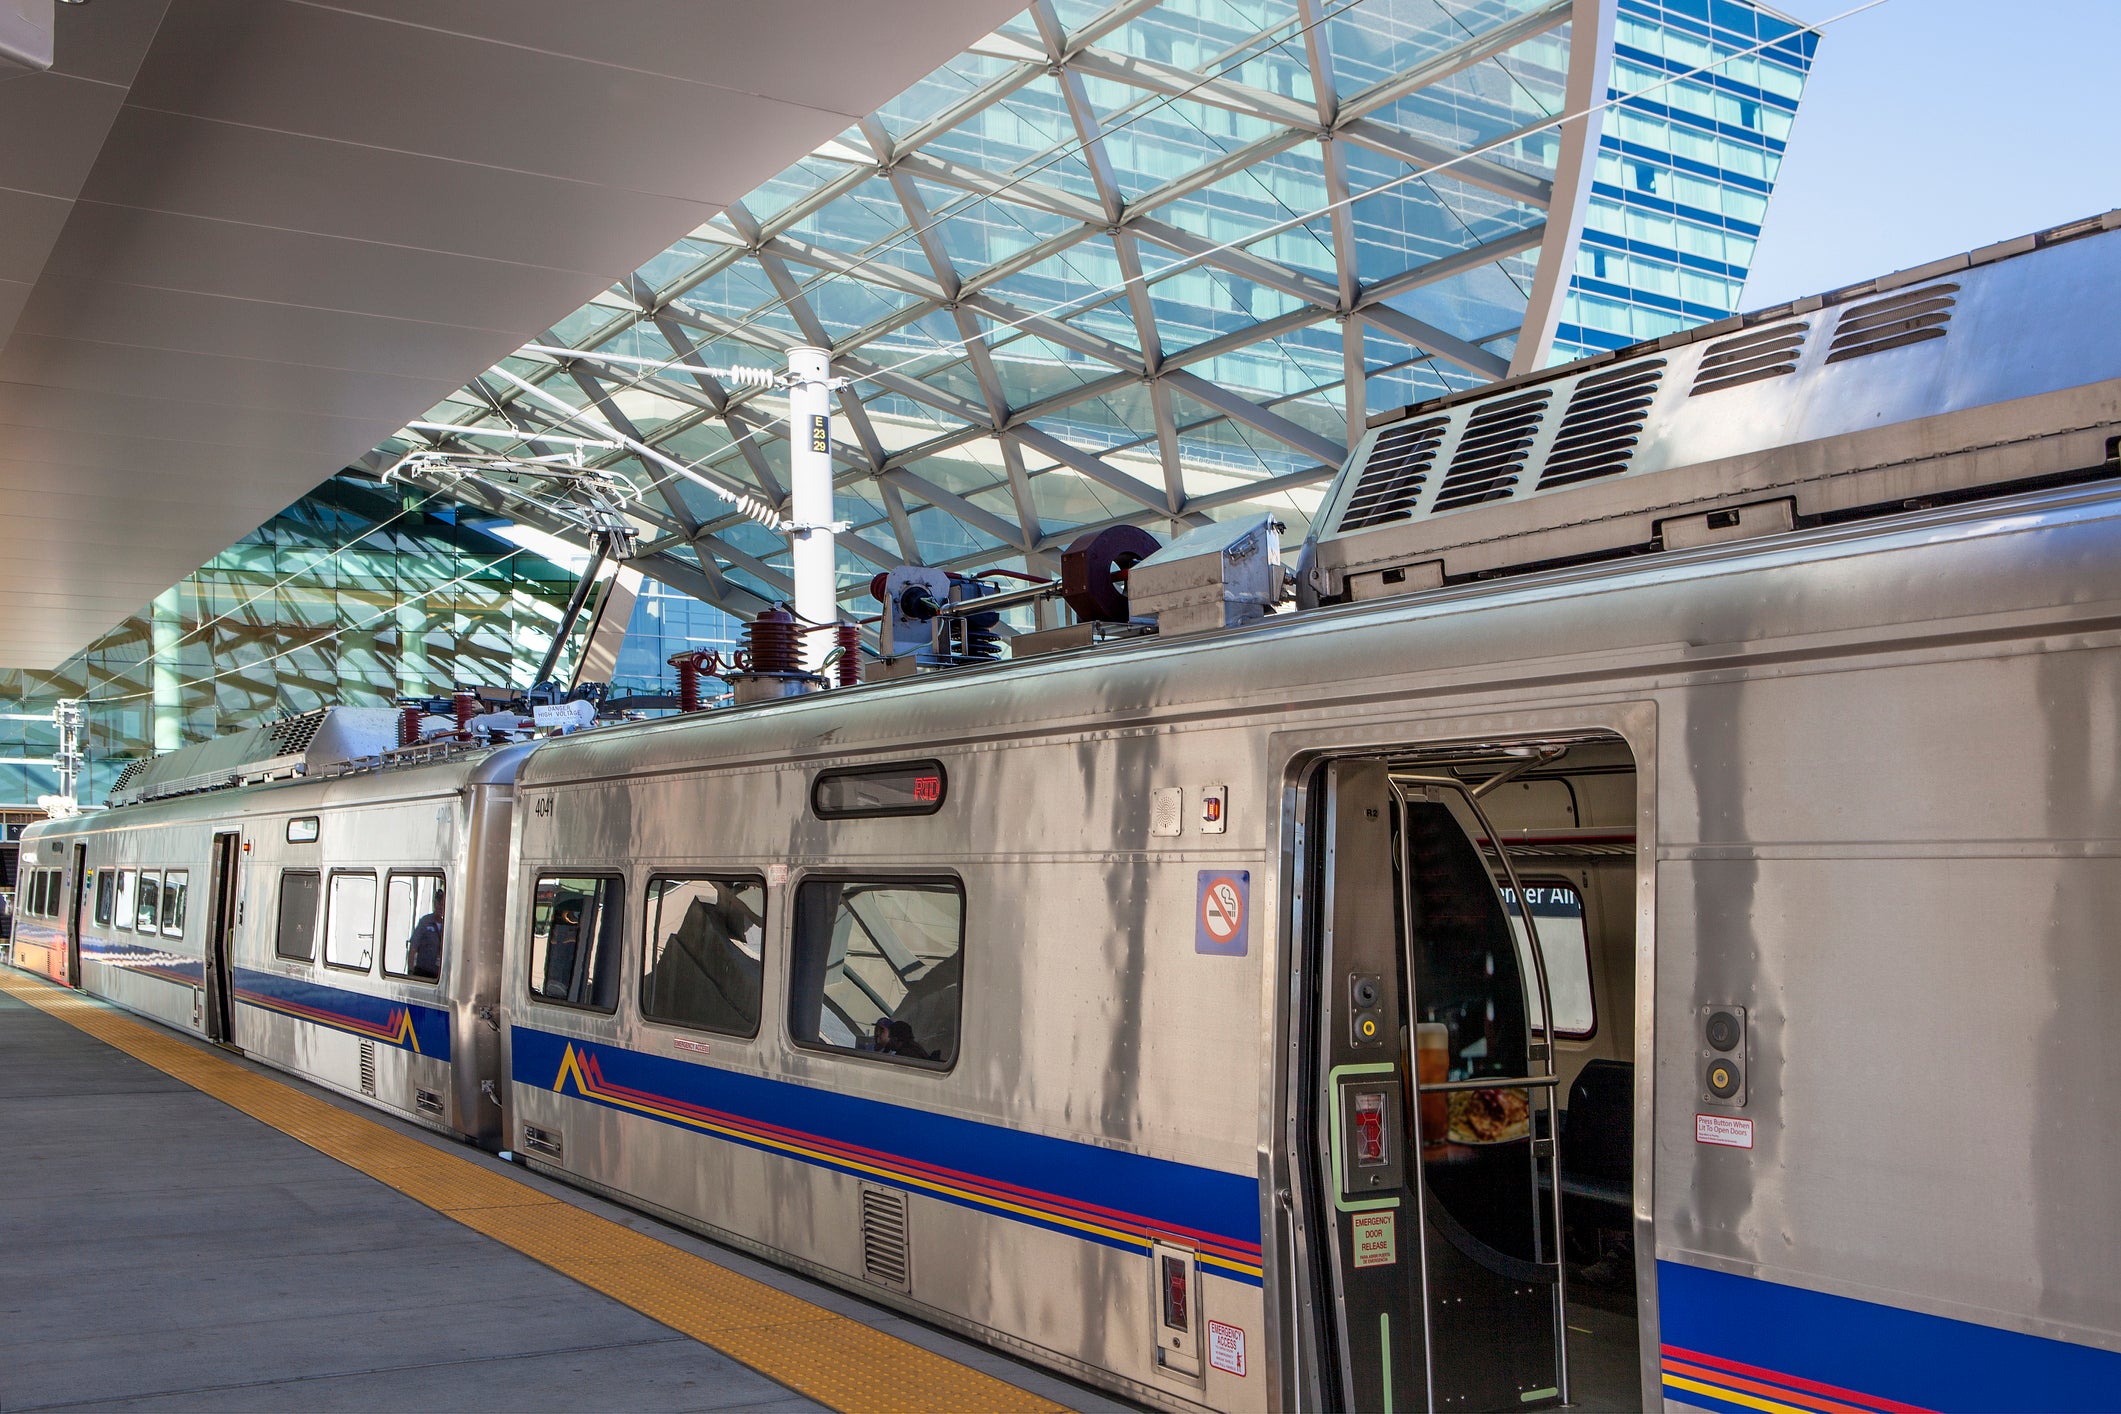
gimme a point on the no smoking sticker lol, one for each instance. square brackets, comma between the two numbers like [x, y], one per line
[1222, 913]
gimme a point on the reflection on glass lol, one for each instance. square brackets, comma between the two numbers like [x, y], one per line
[877, 967]
[705, 944]
[350, 921]
[414, 916]
[148, 902]
[176, 884]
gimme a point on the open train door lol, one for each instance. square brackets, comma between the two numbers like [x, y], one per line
[1430, 1104]
[76, 897]
[218, 1012]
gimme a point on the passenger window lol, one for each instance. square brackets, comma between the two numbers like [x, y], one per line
[574, 941]
[296, 938]
[705, 941]
[123, 911]
[106, 887]
[877, 966]
[413, 917]
[350, 922]
[1557, 909]
[36, 892]
[175, 885]
[147, 902]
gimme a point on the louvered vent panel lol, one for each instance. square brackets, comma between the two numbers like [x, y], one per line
[368, 1067]
[1749, 357]
[1492, 450]
[1395, 473]
[292, 734]
[1893, 322]
[885, 1259]
[1602, 424]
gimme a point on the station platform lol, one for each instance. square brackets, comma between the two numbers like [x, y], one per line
[185, 1229]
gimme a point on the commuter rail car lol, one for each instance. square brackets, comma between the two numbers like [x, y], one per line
[1636, 934]
[313, 924]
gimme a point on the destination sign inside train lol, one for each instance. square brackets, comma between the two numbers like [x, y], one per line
[902, 788]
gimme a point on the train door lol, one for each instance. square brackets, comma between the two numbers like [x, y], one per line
[76, 896]
[219, 1008]
[1427, 1105]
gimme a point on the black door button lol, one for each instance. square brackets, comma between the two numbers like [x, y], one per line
[1723, 1031]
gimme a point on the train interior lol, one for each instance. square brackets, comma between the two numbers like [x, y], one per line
[1529, 1294]
[1568, 825]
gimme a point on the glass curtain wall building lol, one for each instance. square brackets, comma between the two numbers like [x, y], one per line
[355, 595]
[1685, 168]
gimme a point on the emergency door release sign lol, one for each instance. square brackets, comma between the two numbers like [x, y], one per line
[1222, 915]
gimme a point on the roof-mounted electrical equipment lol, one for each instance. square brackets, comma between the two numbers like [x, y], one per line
[1219, 576]
[1793, 416]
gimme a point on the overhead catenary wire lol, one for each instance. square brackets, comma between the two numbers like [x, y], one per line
[1206, 255]
[692, 471]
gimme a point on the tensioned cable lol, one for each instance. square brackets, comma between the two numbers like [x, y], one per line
[1106, 292]
[1142, 108]
[1252, 238]
[1199, 257]
[280, 584]
[319, 639]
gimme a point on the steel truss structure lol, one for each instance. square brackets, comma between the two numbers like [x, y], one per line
[1152, 262]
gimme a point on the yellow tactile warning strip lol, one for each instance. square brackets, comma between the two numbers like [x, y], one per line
[831, 1358]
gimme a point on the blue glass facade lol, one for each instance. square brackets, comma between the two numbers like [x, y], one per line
[1684, 171]
[664, 622]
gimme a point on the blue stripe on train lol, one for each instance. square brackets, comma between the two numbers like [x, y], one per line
[160, 962]
[1906, 1356]
[364, 1014]
[1156, 1193]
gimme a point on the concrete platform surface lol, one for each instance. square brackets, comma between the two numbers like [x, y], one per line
[161, 1250]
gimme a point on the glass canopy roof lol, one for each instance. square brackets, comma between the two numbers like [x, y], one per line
[1126, 262]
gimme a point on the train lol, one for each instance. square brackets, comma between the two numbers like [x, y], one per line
[1633, 932]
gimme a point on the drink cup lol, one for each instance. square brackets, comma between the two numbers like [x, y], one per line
[1432, 1066]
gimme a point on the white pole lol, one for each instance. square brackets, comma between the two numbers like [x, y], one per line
[810, 495]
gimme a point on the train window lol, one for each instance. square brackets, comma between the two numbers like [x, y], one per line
[901, 788]
[296, 936]
[350, 922]
[147, 900]
[705, 945]
[302, 830]
[36, 892]
[574, 940]
[877, 966]
[176, 884]
[1558, 910]
[122, 902]
[413, 919]
[106, 890]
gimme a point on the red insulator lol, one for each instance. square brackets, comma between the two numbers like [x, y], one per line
[409, 726]
[466, 706]
[849, 636]
[775, 643]
[692, 665]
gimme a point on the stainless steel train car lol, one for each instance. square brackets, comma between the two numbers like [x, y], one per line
[1636, 935]
[314, 924]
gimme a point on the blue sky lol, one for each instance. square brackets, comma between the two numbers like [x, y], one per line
[1930, 127]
